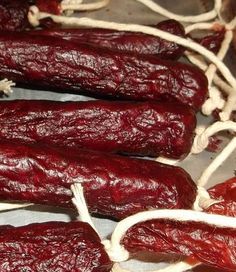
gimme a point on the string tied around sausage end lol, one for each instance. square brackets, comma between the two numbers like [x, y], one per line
[203, 200]
[215, 101]
[7, 206]
[116, 254]
[6, 86]
[80, 203]
[203, 134]
[34, 16]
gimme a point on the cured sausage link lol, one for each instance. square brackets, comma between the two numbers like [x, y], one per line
[212, 41]
[114, 186]
[50, 6]
[208, 244]
[226, 193]
[52, 246]
[13, 15]
[56, 63]
[124, 41]
[144, 128]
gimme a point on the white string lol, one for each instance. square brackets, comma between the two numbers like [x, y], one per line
[221, 54]
[231, 25]
[210, 105]
[118, 253]
[211, 71]
[224, 46]
[201, 140]
[6, 86]
[204, 26]
[139, 28]
[200, 201]
[190, 19]
[80, 203]
[4, 206]
[229, 107]
[35, 16]
[203, 200]
[66, 2]
[77, 6]
[117, 268]
[167, 161]
[223, 85]
[224, 70]
[214, 99]
[199, 61]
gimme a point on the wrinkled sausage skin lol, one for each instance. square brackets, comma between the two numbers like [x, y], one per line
[56, 63]
[208, 244]
[114, 186]
[132, 42]
[52, 246]
[148, 128]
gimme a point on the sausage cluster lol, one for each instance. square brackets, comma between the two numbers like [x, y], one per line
[47, 146]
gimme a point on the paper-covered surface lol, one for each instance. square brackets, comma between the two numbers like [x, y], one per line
[125, 11]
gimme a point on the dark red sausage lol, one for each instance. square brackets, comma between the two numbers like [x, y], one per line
[49, 6]
[144, 128]
[138, 43]
[212, 41]
[53, 62]
[226, 193]
[114, 186]
[208, 244]
[53, 246]
[13, 15]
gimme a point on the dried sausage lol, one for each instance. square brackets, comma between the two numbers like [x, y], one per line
[56, 63]
[52, 246]
[144, 128]
[114, 186]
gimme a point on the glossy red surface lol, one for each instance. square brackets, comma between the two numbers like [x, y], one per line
[53, 62]
[144, 128]
[114, 186]
[52, 246]
[13, 15]
[124, 41]
[49, 6]
[226, 193]
[212, 41]
[208, 244]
